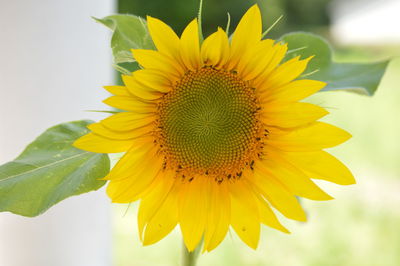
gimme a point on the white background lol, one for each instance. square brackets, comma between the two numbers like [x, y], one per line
[54, 60]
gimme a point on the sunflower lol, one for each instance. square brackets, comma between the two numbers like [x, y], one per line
[214, 135]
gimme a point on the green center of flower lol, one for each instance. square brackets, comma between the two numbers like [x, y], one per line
[208, 122]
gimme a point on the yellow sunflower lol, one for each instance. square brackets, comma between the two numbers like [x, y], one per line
[214, 135]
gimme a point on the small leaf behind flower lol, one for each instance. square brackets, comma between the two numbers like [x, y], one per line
[49, 170]
[129, 32]
[360, 78]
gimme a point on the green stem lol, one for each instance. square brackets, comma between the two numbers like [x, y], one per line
[190, 258]
[199, 20]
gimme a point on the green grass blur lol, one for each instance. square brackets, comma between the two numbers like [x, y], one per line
[361, 227]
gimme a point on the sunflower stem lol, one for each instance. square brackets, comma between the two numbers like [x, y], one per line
[199, 20]
[228, 24]
[190, 258]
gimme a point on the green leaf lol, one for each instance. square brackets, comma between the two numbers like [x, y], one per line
[129, 32]
[49, 170]
[360, 78]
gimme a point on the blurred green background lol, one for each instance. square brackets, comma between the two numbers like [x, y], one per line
[361, 227]
[178, 13]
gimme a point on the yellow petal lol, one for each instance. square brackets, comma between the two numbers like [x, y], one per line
[95, 143]
[132, 160]
[279, 50]
[135, 182]
[117, 90]
[293, 91]
[294, 179]
[130, 104]
[218, 216]
[154, 60]
[153, 79]
[291, 115]
[268, 217]
[285, 73]
[190, 46]
[277, 194]
[321, 165]
[139, 90]
[314, 137]
[254, 62]
[100, 129]
[127, 121]
[164, 220]
[245, 218]
[193, 211]
[215, 50]
[164, 38]
[247, 34]
[150, 203]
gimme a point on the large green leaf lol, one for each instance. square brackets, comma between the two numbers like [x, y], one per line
[361, 78]
[129, 32]
[49, 170]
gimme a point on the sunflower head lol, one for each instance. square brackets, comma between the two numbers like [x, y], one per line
[209, 125]
[215, 135]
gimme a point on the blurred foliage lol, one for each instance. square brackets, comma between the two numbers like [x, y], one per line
[297, 14]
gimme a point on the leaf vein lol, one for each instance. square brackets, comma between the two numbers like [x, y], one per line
[44, 166]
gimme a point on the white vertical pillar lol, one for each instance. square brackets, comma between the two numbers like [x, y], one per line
[54, 59]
